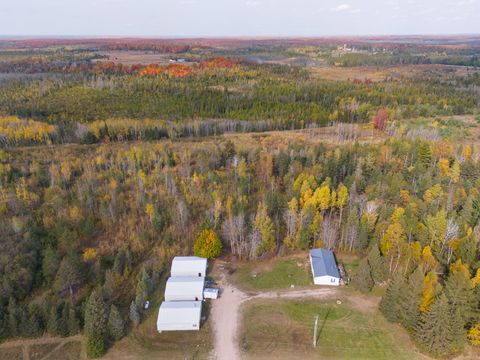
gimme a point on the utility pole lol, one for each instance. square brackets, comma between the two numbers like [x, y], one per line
[315, 332]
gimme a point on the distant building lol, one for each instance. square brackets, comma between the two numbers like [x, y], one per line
[184, 288]
[188, 266]
[324, 267]
[179, 315]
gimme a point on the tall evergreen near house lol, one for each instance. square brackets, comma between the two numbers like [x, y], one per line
[411, 298]
[116, 324]
[377, 265]
[390, 305]
[362, 280]
[440, 330]
[95, 325]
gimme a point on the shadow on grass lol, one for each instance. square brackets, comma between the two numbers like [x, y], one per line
[324, 321]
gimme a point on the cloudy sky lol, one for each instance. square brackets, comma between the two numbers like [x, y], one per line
[185, 18]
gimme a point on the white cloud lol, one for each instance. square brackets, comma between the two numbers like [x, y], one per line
[342, 7]
[251, 3]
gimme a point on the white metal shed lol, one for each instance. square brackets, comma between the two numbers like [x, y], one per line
[184, 288]
[188, 266]
[179, 315]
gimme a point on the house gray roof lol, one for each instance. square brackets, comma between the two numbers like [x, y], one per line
[323, 263]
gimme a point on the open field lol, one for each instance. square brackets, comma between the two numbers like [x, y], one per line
[273, 274]
[380, 73]
[283, 329]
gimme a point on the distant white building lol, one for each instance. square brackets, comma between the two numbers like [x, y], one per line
[188, 266]
[184, 288]
[179, 315]
[324, 267]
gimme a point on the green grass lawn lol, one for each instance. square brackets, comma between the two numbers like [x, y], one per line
[282, 329]
[277, 275]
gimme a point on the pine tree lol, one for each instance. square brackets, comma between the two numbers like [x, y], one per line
[362, 280]
[52, 321]
[116, 324]
[390, 305]
[143, 289]
[34, 323]
[72, 321]
[95, 325]
[12, 317]
[63, 321]
[134, 314]
[411, 298]
[377, 265]
[439, 331]
[460, 294]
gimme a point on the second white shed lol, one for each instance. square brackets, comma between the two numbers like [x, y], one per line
[184, 288]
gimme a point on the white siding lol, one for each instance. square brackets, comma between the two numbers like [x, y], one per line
[179, 315]
[326, 280]
[184, 289]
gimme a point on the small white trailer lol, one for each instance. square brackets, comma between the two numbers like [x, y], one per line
[210, 293]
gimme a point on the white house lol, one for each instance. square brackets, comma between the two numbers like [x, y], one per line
[324, 267]
[184, 288]
[179, 315]
[188, 266]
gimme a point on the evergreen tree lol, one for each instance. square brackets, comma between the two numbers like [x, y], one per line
[411, 298]
[134, 314]
[390, 305]
[69, 275]
[439, 330]
[95, 325]
[143, 289]
[63, 320]
[460, 295]
[116, 324]
[377, 265]
[362, 280]
[72, 321]
[12, 317]
[23, 328]
[52, 321]
[35, 321]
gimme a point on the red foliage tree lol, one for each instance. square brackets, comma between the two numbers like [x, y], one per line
[380, 120]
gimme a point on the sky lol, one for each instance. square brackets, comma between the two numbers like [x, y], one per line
[228, 18]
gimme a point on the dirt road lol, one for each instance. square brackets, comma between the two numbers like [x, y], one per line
[226, 314]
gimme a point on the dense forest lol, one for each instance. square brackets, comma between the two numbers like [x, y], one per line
[90, 222]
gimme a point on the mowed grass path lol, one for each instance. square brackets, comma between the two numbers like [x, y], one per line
[278, 329]
[277, 275]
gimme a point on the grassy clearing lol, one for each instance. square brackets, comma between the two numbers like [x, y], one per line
[277, 274]
[282, 329]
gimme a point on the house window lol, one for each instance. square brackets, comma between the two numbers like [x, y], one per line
[332, 280]
[199, 274]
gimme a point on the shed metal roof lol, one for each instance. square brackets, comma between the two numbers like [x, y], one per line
[179, 315]
[188, 266]
[323, 263]
[184, 288]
